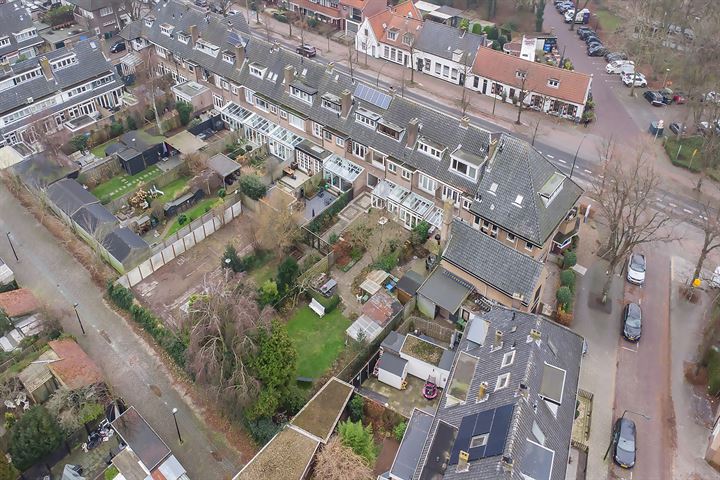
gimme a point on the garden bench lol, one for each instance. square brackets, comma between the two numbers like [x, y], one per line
[317, 307]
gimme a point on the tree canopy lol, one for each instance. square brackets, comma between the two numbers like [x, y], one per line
[34, 436]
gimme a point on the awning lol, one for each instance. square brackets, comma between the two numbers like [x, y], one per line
[185, 142]
[445, 290]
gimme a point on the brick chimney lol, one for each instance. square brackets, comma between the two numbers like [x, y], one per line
[289, 76]
[465, 122]
[445, 228]
[194, 35]
[412, 132]
[239, 56]
[345, 102]
[46, 68]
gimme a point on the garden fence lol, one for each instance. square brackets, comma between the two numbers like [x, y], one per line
[182, 241]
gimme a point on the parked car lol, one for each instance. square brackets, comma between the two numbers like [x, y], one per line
[582, 28]
[612, 56]
[632, 322]
[637, 78]
[569, 15]
[592, 38]
[625, 435]
[636, 268]
[201, 3]
[306, 50]
[596, 51]
[679, 97]
[677, 128]
[586, 33]
[618, 66]
[706, 128]
[654, 98]
[118, 47]
[711, 97]
[233, 11]
[564, 7]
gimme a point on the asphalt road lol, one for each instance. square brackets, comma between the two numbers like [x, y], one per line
[642, 384]
[127, 361]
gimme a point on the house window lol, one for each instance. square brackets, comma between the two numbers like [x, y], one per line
[528, 246]
[392, 34]
[183, 37]
[466, 204]
[510, 237]
[249, 95]
[207, 48]
[365, 120]
[218, 101]
[228, 58]
[283, 114]
[494, 231]
[479, 440]
[454, 73]
[104, 12]
[224, 83]
[538, 433]
[296, 121]
[165, 29]
[261, 103]
[340, 142]
[408, 39]
[4, 41]
[427, 184]
[437, 69]
[317, 130]
[304, 96]
[426, 65]
[149, 21]
[327, 135]
[273, 109]
[191, 67]
[502, 381]
[330, 105]
[521, 74]
[432, 151]
[406, 174]
[446, 71]
[553, 83]
[359, 150]
[508, 359]
[464, 169]
[451, 194]
[257, 71]
[392, 168]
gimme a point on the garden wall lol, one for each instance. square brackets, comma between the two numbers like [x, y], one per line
[182, 241]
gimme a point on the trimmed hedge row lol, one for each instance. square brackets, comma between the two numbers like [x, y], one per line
[175, 345]
[330, 304]
[319, 223]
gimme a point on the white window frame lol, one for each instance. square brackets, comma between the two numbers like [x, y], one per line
[105, 11]
[228, 58]
[503, 381]
[508, 359]
[530, 245]
[553, 83]
[249, 96]
[283, 114]
[327, 135]
[466, 204]
[392, 167]
[273, 109]
[359, 150]
[256, 71]
[339, 141]
[296, 121]
[427, 184]
[317, 130]
[300, 95]
[406, 174]
[166, 29]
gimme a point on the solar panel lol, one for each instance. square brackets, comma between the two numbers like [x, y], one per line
[483, 423]
[499, 431]
[234, 39]
[463, 437]
[370, 95]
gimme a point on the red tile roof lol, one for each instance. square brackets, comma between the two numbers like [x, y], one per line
[503, 68]
[404, 17]
[75, 368]
[17, 303]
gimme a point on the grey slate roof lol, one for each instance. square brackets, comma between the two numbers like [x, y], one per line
[91, 64]
[518, 169]
[14, 18]
[493, 262]
[393, 342]
[436, 126]
[442, 40]
[410, 282]
[393, 363]
[69, 196]
[91, 5]
[408, 454]
[38, 171]
[120, 243]
[558, 346]
[445, 289]
[95, 219]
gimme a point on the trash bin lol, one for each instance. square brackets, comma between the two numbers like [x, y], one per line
[657, 128]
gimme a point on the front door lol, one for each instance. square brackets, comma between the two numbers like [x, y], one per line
[485, 84]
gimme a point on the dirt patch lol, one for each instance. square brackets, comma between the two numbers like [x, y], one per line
[168, 289]
[388, 449]
[695, 373]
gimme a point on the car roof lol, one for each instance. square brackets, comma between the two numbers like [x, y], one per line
[634, 308]
[626, 425]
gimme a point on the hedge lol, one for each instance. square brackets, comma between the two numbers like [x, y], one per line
[318, 223]
[330, 304]
[173, 344]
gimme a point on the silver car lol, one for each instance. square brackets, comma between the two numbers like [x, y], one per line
[636, 269]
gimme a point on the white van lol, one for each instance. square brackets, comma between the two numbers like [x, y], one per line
[620, 66]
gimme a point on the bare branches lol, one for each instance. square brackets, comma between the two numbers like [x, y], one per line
[338, 462]
[711, 235]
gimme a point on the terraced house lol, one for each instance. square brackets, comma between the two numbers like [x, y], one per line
[68, 88]
[18, 36]
[415, 162]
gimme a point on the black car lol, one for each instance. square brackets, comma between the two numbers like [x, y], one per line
[594, 43]
[624, 439]
[596, 51]
[592, 39]
[632, 322]
[586, 33]
[612, 56]
[582, 28]
[655, 99]
[118, 47]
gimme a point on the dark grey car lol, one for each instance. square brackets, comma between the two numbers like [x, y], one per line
[632, 322]
[625, 448]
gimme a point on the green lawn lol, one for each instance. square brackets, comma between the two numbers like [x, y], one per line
[318, 340]
[121, 184]
[608, 21]
[685, 158]
[172, 190]
[99, 151]
[202, 207]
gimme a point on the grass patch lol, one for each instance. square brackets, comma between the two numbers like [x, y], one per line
[684, 159]
[609, 22]
[173, 189]
[200, 209]
[119, 185]
[99, 151]
[265, 271]
[318, 341]
[151, 139]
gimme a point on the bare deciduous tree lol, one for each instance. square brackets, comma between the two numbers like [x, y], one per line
[711, 236]
[338, 462]
[625, 201]
[276, 228]
[224, 320]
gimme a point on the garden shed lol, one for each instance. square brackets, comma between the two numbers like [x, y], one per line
[185, 143]
[408, 286]
[392, 369]
[225, 167]
[139, 151]
[380, 309]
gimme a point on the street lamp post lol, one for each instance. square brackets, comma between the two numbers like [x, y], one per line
[75, 305]
[576, 155]
[12, 247]
[177, 428]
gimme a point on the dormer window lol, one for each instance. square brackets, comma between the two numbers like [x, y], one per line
[493, 188]
[367, 118]
[331, 102]
[518, 201]
[429, 148]
[257, 70]
[25, 34]
[389, 129]
[207, 48]
[553, 82]
[4, 41]
[408, 39]
[392, 34]
[183, 37]
[166, 29]
[149, 21]
[552, 188]
[228, 57]
[521, 74]
[463, 168]
[64, 62]
[303, 92]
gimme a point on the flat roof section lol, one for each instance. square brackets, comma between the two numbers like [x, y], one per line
[139, 435]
